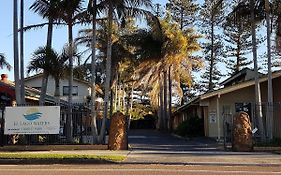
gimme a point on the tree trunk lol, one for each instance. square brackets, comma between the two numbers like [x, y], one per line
[170, 99]
[43, 88]
[257, 84]
[93, 72]
[50, 33]
[16, 53]
[161, 108]
[22, 86]
[45, 73]
[108, 72]
[57, 89]
[269, 115]
[211, 85]
[165, 102]
[131, 105]
[70, 85]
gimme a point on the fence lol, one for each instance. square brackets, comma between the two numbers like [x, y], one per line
[81, 128]
[275, 108]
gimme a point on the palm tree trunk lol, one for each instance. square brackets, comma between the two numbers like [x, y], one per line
[161, 116]
[45, 74]
[22, 87]
[70, 85]
[165, 102]
[257, 84]
[50, 33]
[116, 93]
[269, 115]
[170, 99]
[93, 72]
[43, 88]
[131, 105]
[108, 72]
[57, 89]
[16, 53]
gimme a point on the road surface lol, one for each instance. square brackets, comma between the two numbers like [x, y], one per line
[135, 170]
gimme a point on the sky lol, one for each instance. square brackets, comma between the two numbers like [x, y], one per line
[32, 39]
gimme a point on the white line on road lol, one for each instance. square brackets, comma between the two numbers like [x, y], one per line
[141, 170]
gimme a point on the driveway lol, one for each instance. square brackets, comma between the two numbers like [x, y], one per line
[154, 147]
[153, 140]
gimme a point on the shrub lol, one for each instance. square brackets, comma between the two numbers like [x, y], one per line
[192, 127]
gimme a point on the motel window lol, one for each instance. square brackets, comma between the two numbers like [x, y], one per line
[74, 91]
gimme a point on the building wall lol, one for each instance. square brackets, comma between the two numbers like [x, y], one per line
[247, 95]
[216, 113]
[83, 89]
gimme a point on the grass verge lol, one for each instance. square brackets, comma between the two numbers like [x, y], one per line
[61, 156]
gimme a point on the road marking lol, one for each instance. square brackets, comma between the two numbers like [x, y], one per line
[141, 170]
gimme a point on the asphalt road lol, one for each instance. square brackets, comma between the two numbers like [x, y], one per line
[134, 170]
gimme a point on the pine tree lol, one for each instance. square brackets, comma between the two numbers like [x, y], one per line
[237, 31]
[211, 19]
[183, 11]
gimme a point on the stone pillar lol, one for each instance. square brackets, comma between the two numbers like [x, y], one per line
[242, 133]
[118, 138]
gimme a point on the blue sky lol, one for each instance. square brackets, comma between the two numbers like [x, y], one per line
[34, 38]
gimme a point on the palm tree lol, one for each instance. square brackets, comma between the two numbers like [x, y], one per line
[269, 73]
[257, 84]
[16, 53]
[22, 87]
[158, 51]
[49, 61]
[70, 13]
[3, 62]
[93, 11]
[254, 11]
[122, 8]
[41, 61]
[48, 9]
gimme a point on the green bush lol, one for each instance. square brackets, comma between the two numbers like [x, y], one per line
[192, 127]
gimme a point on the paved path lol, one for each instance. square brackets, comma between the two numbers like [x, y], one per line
[150, 146]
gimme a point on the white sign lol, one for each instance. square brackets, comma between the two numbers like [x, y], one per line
[32, 120]
[213, 117]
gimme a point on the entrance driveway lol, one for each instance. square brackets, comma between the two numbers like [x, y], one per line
[151, 146]
[153, 140]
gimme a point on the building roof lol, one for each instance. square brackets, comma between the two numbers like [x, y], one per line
[245, 74]
[36, 76]
[241, 85]
[30, 93]
[226, 90]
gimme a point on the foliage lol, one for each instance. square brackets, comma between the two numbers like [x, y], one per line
[3, 62]
[212, 13]
[192, 127]
[183, 12]
[139, 111]
[237, 30]
[60, 156]
[161, 48]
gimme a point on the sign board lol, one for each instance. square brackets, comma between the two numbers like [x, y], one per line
[213, 117]
[32, 120]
